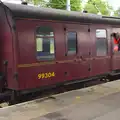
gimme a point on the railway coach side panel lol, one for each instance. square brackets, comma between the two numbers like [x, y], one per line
[41, 53]
[51, 52]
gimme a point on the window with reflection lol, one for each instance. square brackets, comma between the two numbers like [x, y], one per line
[45, 43]
[72, 42]
[101, 42]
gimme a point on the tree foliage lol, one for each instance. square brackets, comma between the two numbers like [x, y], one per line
[117, 12]
[42, 3]
[103, 6]
[61, 4]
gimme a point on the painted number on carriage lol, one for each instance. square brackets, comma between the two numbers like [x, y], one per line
[46, 75]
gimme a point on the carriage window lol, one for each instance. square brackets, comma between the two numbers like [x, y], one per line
[45, 43]
[72, 42]
[101, 42]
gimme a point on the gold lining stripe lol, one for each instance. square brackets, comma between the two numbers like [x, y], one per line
[42, 63]
[52, 62]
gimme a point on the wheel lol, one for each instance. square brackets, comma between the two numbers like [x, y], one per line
[14, 98]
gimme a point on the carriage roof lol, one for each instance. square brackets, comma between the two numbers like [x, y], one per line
[26, 11]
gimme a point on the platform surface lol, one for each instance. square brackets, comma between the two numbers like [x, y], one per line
[100, 102]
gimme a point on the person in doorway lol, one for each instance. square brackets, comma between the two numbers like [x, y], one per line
[116, 38]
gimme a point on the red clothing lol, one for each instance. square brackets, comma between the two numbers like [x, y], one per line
[116, 41]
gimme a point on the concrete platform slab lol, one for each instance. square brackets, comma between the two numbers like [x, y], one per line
[95, 110]
[92, 103]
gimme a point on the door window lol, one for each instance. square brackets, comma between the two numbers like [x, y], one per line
[72, 42]
[101, 42]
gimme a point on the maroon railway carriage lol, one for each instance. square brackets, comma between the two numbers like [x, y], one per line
[42, 47]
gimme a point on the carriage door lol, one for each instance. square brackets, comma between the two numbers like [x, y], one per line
[84, 44]
[77, 41]
[115, 51]
[100, 58]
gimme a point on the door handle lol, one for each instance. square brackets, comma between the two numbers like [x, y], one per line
[83, 59]
[75, 60]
